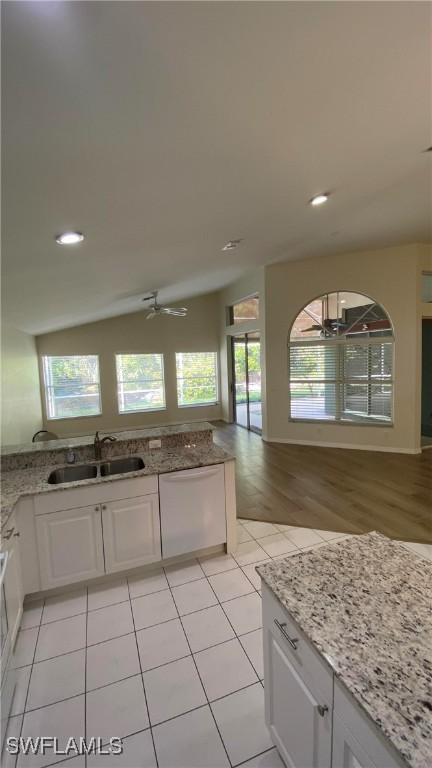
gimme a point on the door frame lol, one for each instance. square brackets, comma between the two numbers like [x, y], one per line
[425, 321]
[235, 336]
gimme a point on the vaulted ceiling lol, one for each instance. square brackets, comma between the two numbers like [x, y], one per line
[162, 130]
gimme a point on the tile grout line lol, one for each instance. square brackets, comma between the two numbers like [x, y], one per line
[233, 629]
[260, 754]
[142, 677]
[237, 637]
[139, 629]
[29, 682]
[200, 706]
[150, 669]
[130, 599]
[199, 676]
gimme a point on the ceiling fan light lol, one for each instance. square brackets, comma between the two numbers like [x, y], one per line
[231, 244]
[69, 238]
[319, 199]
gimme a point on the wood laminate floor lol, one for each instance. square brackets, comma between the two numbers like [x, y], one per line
[331, 488]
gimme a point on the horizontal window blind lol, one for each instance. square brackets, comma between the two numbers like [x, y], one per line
[140, 382]
[196, 378]
[341, 381]
[72, 387]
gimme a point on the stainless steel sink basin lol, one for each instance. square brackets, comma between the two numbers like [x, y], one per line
[70, 474]
[121, 466]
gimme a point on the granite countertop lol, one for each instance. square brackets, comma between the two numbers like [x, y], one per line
[131, 434]
[365, 603]
[27, 482]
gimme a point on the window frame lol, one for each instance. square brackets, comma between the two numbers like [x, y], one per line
[341, 381]
[141, 410]
[230, 309]
[208, 403]
[46, 388]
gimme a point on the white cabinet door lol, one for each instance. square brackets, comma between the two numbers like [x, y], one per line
[192, 509]
[347, 752]
[131, 532]
[357, 742]
[70, 546]
[13, 590]
[299, 727]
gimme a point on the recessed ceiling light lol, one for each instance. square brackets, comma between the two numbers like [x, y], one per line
[231, 244]
[319, 199]
[69, 238]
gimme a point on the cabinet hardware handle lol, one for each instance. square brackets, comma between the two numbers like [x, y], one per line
[282, 628]
[8, 534]
[96, 509]
[322, 709]
[104, 507]
[17, 533]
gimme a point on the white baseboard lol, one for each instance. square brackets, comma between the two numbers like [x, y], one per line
[348, 446]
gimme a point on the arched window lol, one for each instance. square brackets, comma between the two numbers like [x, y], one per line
[341, 361]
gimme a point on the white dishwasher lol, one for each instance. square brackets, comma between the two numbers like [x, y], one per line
[192, 509]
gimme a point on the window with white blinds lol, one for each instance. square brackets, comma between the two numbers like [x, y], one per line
[341, 361]
[197, 378]
[140, 383]
[72, 387]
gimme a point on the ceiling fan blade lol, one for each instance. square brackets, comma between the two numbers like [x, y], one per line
[150, 315]
[175, 311]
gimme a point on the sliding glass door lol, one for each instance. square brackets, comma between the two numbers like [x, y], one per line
[247, 381]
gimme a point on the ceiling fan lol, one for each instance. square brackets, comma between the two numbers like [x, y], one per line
[155, 308]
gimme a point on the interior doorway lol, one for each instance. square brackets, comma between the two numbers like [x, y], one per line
[247, 405]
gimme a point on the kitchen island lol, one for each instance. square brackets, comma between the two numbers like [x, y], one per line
[348, 655]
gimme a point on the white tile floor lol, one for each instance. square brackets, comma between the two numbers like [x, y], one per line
[170, 661]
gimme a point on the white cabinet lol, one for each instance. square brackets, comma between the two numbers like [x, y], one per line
[192, 510]
[13, 591]
[86, 532]
[313, 719]
[357, 742]
[298, 692]
[70, 546]
[301, 733]
[29, 555]
[131, 532]
[347, 752]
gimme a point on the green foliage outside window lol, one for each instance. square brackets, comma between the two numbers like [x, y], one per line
[196, 378]
[72, 386]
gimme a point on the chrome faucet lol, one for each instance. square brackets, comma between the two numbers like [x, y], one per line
[98, 444]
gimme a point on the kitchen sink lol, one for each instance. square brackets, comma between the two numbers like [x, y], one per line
[70, 474]
[121, 466]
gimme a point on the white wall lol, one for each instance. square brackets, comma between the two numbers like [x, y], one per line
[21, 407]
[391, 277]
[250, 284]
[198, 332]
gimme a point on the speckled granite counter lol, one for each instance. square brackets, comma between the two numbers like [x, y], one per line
[29, 481]
[146, 433]
[365, 604]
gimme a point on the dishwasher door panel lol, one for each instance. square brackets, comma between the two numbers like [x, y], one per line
[192, 509]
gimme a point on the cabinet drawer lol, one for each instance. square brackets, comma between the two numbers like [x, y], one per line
[308, 663]
[96, 493]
